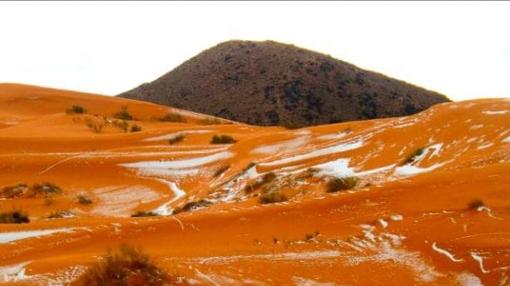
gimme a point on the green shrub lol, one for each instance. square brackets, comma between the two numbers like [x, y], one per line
[144, 214]
[76, 109]
[84, 199]
[135, 128]
[123, 114]
[176, 139]
[272, 196]
[341, 184]
[126, 266]
[172, 117]
[223, 139]
[14, 217]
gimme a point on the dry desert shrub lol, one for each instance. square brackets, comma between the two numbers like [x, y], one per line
[126, 266]
[172, 117]
[341, 184]
[76, 109]
[223, 139]
[15, 216]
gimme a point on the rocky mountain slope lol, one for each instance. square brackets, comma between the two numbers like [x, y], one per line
[268, 83]
[423, 197]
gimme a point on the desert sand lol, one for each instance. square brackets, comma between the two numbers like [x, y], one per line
[430, 205]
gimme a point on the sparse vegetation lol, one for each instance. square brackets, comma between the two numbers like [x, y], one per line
[18, 190]
[266, 179]
[144, 214]
[412, 157]
[76, 109]
[221, 170]
[193, 206]
[176, 139]
[95, 123]
[121, 124]
[23, 190]
[210, 121]
[341, 184]
[127, 266]
[84, 199]
[476, 204]
[123, 114]
[223, 139]
[15, 216]
[172, 117]
[272, 196]
[135, 128]
[46, 189]
[60, 214]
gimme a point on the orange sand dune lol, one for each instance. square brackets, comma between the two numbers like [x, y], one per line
[430, 205]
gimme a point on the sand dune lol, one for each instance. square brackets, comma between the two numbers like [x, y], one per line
[430, 205]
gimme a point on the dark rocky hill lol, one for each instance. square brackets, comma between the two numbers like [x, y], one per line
[269, 83]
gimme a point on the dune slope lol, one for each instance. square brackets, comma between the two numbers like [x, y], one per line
[416, 200]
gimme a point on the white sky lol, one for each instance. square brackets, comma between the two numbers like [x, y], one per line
[459, 49]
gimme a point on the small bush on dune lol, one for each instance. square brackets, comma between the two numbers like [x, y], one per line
[476, 204]
[60, 214]
[190, 206]
[84, 199]
[46, 189]
[14, 217]
[135, 128]
[15, 191]
[95, 124]
[76, 109]
[123, 114]
[411, 157]
[23, 190]
[121, 124]
[144, 214]
[266, 179]
[172, 117]
[176, 139]
[341, 184]
[126, 266]
[223, 139]
[272, 196]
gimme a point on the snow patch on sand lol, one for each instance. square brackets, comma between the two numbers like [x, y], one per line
[479, 259]
[173, 135]
[342, 147]
[281, 147]
[495, 112]
[300, 281]
[468, 279]
[121, 200]
[445, 252]
[185, 167]
[7, 237]
[409, 170]
[13, 273]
